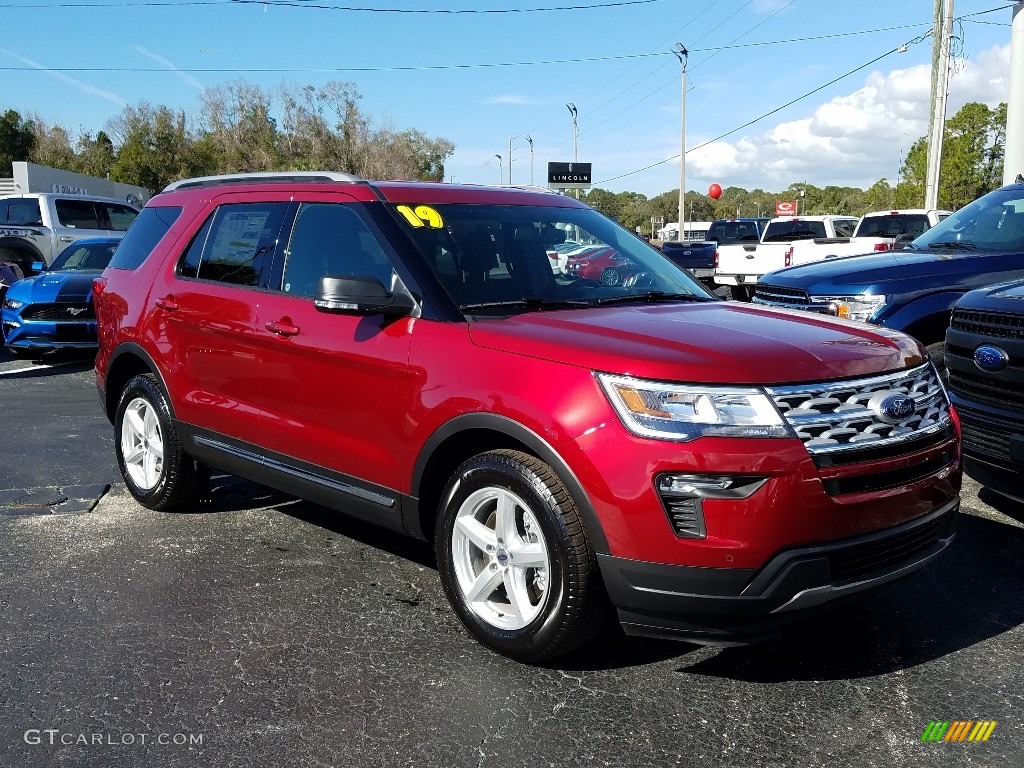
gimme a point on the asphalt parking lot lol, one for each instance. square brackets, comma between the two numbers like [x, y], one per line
[264, 631]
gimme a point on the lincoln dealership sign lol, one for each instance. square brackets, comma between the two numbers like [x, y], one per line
[569, 175]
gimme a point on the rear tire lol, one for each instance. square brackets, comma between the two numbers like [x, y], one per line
[514, 559]
[157, 472]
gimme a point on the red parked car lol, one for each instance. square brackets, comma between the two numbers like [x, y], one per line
[602, 264]
[403, 352]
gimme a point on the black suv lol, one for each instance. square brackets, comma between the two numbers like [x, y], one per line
[985, 360]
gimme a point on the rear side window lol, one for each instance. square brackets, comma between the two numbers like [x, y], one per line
[120, 217]
[21, 212]
[78, 214]
[240, 244]
[146, 231]
[844, 228]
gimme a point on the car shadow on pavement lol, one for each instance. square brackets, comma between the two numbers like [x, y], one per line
[50, 364]
[969, 595]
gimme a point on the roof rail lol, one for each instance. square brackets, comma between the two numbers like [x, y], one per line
[296, 177]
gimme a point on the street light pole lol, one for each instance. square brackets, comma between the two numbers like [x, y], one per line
[575, 138]
[510, 159]
[682, 54]
[530, 142]
[501, 177]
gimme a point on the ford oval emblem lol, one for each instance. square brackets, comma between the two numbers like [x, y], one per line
[990, 358]
[896, 408]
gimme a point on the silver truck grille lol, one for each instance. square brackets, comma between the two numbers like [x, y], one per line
[851, 415]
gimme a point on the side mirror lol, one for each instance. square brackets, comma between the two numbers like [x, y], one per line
[360, 295]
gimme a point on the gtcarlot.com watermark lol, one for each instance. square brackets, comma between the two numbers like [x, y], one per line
[55, 737]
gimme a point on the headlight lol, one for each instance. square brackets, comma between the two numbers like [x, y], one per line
[684, 412]
[862, 307]
[13, 303]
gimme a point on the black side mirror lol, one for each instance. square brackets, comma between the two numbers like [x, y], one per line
[360, 295]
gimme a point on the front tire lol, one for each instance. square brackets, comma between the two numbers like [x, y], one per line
[157, 472]
[514, 559]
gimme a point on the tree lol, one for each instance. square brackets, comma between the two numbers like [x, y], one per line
[972, 159]
[52, 146]
[17, 139]
[96, 157]
[155, 148]
[881, 196]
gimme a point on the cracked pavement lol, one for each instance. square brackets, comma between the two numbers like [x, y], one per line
[283, 634]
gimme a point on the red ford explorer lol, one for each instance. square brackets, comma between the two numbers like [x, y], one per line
[403, 352]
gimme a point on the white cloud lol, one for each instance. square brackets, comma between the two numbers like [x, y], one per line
[171, 66]
[510, 99]
[854, 139]
[81, 86]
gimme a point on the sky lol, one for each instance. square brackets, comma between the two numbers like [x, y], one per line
[485, 74]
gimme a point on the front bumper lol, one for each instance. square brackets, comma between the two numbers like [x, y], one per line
[728, 606]
[993, 446]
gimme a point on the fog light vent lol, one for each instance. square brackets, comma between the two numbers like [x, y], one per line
[686, 517]
[683, 497]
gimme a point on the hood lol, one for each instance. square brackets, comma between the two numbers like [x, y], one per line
[1005, 297]
[904, 271]
[714, 342]
[52, 287]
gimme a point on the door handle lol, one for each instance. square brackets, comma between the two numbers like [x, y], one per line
[168, 303]
[283, 327]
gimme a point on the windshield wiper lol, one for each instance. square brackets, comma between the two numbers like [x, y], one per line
[650, 297]
[527, 303]
[954, 245]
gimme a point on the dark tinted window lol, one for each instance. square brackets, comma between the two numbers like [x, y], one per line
[740, 231]
[79, 214]
[143, 235]
[241, 242]
[794, 230]
[189, 264]
[893, 225]
[331, 239]
[23, 212]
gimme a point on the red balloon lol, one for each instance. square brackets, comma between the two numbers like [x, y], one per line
[714, 191]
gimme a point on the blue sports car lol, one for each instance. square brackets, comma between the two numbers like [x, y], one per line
[54, 310]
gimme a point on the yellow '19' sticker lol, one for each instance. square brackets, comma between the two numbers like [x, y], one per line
[422, 216]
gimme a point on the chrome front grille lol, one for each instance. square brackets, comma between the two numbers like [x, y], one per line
[846, 416]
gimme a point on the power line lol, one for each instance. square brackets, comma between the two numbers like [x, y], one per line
[772, 112]
[427, 67]
[297, 4]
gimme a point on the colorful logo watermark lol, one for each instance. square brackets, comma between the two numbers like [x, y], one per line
[958, 730]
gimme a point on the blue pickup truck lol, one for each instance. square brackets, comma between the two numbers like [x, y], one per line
[700, 257]
[913, 289]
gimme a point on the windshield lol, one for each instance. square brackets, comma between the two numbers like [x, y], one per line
[993, 223]
[510, 258]
[84, 256]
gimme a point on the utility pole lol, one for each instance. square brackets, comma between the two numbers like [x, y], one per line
[1013, 157]
[682, 54]
[530, 142]
[940, 85]
[501, 176]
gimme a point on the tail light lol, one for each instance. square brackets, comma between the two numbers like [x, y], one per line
[883, 246]
[716, 258]
[789, 257]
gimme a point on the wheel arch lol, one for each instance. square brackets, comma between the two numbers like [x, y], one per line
[925, 318]
[24, 247]
[129, 360]
[471, 434]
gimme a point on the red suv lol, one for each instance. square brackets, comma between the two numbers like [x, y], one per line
[403, 352]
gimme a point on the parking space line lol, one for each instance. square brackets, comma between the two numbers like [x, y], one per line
[38, 367]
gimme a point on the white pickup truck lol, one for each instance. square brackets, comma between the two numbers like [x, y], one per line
[791, 241]
[38, 226]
